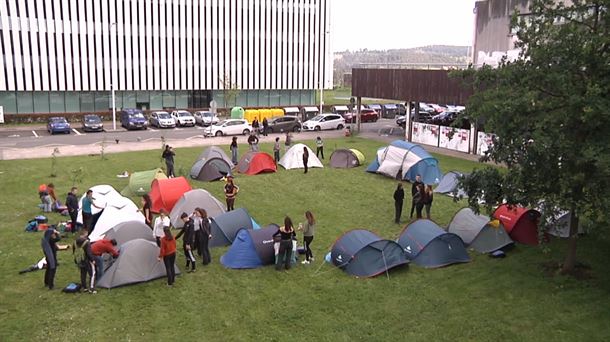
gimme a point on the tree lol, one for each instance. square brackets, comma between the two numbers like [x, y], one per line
[230, 91]
[549, 110]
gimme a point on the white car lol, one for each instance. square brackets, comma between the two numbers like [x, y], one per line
[229, 127]
[324, 121]
[205, 118]
[162, 119]
[183, 118]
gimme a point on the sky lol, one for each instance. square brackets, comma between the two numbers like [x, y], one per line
[391, 24]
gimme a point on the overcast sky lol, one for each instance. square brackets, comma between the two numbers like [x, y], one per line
[390, 24]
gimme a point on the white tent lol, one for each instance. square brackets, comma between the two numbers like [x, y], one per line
[293, 158]
[103, 195]
[119, 211]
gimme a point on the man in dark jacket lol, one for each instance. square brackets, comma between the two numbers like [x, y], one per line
[85, 260]
[49, 248]
[399, 196]
[72, 204]
[168, 155]
[188, 242]
[414, 193]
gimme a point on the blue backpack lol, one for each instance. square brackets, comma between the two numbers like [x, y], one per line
[31, 226]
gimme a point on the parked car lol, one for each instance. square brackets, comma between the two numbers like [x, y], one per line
[366, 115]
[445, 118]
[58, 124]
[162, 120]
[205, 118]
[284, 124]
[133, 119]
[324, 121]
[183, 118]
[229, 127]
[92, 123]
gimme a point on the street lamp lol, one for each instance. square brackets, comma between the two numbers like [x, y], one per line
[112, 80]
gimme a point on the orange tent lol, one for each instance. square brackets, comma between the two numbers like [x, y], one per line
[164, 193]
[253, 163]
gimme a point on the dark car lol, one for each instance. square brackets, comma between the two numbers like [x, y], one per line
[92, 123]
[444, 119]
[282, 124]
[133, 119]
[366, 115]
[58, 124]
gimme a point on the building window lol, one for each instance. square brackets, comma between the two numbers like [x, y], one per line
[57, 102]
[25, 102]
[72, 101]
[8, 100]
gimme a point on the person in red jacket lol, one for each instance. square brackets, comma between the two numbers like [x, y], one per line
[168, 253]
[98, 248]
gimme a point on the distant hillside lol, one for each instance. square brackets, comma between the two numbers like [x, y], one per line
[444, 54]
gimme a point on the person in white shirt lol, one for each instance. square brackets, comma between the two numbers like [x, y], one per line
[161, 222]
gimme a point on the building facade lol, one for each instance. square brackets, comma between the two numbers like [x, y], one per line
[63, 56]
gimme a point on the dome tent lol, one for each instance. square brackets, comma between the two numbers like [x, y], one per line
[405, 160]
[293, 158]
[253, 163]
[192, 199]
[225, 226]
[428, 245]
[103, 195]
[520, 223]
[212, 164]
[346, 158]
[139, 182]
[164, 193]
[130, 230]
[449, 185]
[478, 232]
[362, 253]
[121, 210]
[251, 248]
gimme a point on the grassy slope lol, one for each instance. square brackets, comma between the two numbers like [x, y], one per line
[486, 299]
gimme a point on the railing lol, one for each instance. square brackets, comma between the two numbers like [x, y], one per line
[423, 66]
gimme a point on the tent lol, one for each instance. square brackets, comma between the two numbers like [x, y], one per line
[520, 223]
[293, 158]
[121, 211]
[428, 245]
[478, 231]
[253, 163]
[212, 164]
[103, 195]
[345, 158]
[139, 182]
[251, 249]
[449, 185]
[137, 263]
[196, 198]
[164, 193]
[225, 226]
[362, 253]
[129, 230]
[405, 160]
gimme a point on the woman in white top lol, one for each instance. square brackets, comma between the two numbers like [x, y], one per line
[161, 222]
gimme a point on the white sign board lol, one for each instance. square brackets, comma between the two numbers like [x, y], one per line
[484, 142]
[425, 133]
[454, 139]
[1, 114]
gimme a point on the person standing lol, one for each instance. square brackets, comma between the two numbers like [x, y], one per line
[276, 149]
[255, 127]
[399, 196]
[418, 199]
[308, 230]
[414, 191]
[168, 155]
[72, 204]
[188, 242]
[253, 142]
[167, 252]
[146, 210]
[161, 222]
[288, 141]
[205, 234]
[305, 158]
[265, 126]
[233, 149]
[88, 202]
[319, 147]
[286, 233]
[428, 198]
[98, 248]
[84, 259]
[230, 193]
[49, 248]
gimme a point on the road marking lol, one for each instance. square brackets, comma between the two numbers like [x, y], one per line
[77, 132]
[179, 129]
[14, 136]
[200, 127]
[35, 134]
[153, 130]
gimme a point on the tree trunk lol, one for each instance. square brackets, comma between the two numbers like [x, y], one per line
[570, 260]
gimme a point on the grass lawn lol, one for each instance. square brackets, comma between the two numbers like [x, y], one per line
[341, 96]
[485, 300]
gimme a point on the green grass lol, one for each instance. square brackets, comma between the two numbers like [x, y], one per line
[341, 96]
[485, 300]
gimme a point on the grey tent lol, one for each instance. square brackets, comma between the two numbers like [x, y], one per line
[225, 226]
[196, 198]
[137, 263]
[346, 158]
[362, 253]
[130, 230]
[212, 164]
[428, 245]
[449, 185]
[478, 231]
[215, 152]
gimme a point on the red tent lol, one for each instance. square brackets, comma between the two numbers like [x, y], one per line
[253, 163]
[520, 223]
[164, 193]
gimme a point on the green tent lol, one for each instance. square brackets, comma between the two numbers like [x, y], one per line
[346, 158]
[237, 113]
[139, 182]
[359, 155]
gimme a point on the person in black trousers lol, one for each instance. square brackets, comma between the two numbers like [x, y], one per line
[84, 259]
[399, 196]
[168, 155]
[305, 157]
[72, 204]
[286, 234]
[49, 248]
[167, 252]
[419, 199]
[414, 192]
[189, 240]
[204, 235]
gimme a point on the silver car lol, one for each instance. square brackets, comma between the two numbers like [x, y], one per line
[205, 118]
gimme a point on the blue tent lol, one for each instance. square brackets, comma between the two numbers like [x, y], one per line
[405, 160]
[428, 245]
[225, 226]
[251, 248]
[362, 253]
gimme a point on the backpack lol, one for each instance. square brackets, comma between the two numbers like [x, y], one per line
[71, 288]
[79, 253]
[31, 226]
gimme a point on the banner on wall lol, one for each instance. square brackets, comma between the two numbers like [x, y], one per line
[454, 139]
[425, 133]
[484, 142]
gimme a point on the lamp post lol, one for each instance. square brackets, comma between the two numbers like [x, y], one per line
[112, 80]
